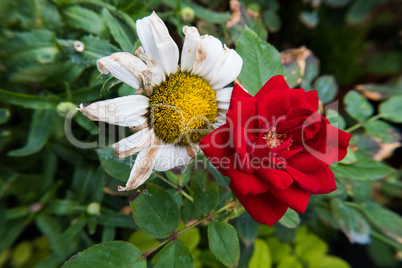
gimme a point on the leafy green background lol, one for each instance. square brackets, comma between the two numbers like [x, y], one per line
[59, 203]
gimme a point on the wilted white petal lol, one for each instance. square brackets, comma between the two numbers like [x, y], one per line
[124, 111]
[188, 54]
[124, 66]
[171, 156]
[226, 69]
[224, 94]
[137, 142]
[155, 39]
[209, 51]
[158, 76]
[143, 166]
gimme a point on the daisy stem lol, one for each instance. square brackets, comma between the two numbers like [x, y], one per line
[358, 125]
[178, 188]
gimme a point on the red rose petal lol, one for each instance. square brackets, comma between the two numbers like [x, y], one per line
[279, 179]
[312, 100]
[308, 183]
[294, 196]
[327, 182]
[297, 99]
[312, 161]
[276, 82]
[243, 115]
[339, 140]
[239, 92]
[246, 183]
[274, 105]
[240, 96]
[263, 208]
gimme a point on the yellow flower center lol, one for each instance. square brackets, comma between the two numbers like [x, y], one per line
[182, 109]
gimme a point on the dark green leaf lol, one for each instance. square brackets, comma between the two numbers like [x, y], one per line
[382, 130]
[86, 123]
[335, 119]
[365, 169]
[351, 222]
[85, 19]
[272, 20]
[114, 166]
[310, 19]
[261, 61]
[224, 243]
[385, 63]
[94, 49]
[391, 109]
[205, 191]
[359, 10]
[290, 219]
[39, 132]
[337, 3]
[175, 254]
[247, 228]
[357, 106]
[107, 255]
[326, 88]
[120, 32]
[155, 211]
[387, 221]
[29, 101]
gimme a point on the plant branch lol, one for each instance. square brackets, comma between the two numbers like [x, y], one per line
[178, 188]
[360, 124]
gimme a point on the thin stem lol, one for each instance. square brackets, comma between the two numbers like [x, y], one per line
[229, 205]
[358, 125]
[179, 189]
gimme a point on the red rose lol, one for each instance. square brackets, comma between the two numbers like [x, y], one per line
[276, 149]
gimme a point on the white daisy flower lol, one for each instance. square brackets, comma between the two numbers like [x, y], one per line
[180, 105]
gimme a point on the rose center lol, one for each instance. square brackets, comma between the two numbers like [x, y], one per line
[274, 139]
[182, 109]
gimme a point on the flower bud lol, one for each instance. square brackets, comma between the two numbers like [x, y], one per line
[187, 14]
[64, 107]
[93, 208]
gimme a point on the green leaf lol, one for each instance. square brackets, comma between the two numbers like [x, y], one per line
[261, 256]
[120, 31]
[326, 88]
[310, 19]
[190, 237]
[351, 222]
[335, 119]
[387, 221]
[109, 84]
[4, 115]
[385, 63]
[311, 248]
[357, 106]
[330, 262]
[29, 101]
[86, 123]
[350, 158]
[205, 191]
[39, 132]
[261, 61]
[38, 46]
[337, 3]
[155, 211]
[382, 130]
[247, 228]
[278, 250]
[114, 166]
[85, 19]
[94, 49]
[364, 169]
[359, 10]
[290, 219]
[107, 255]
[289, 261]
[143, 241]
[175, 254]
[391, 109]
[224, 243]
[272, 20]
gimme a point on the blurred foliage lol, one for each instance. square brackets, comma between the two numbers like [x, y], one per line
[57, 199]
